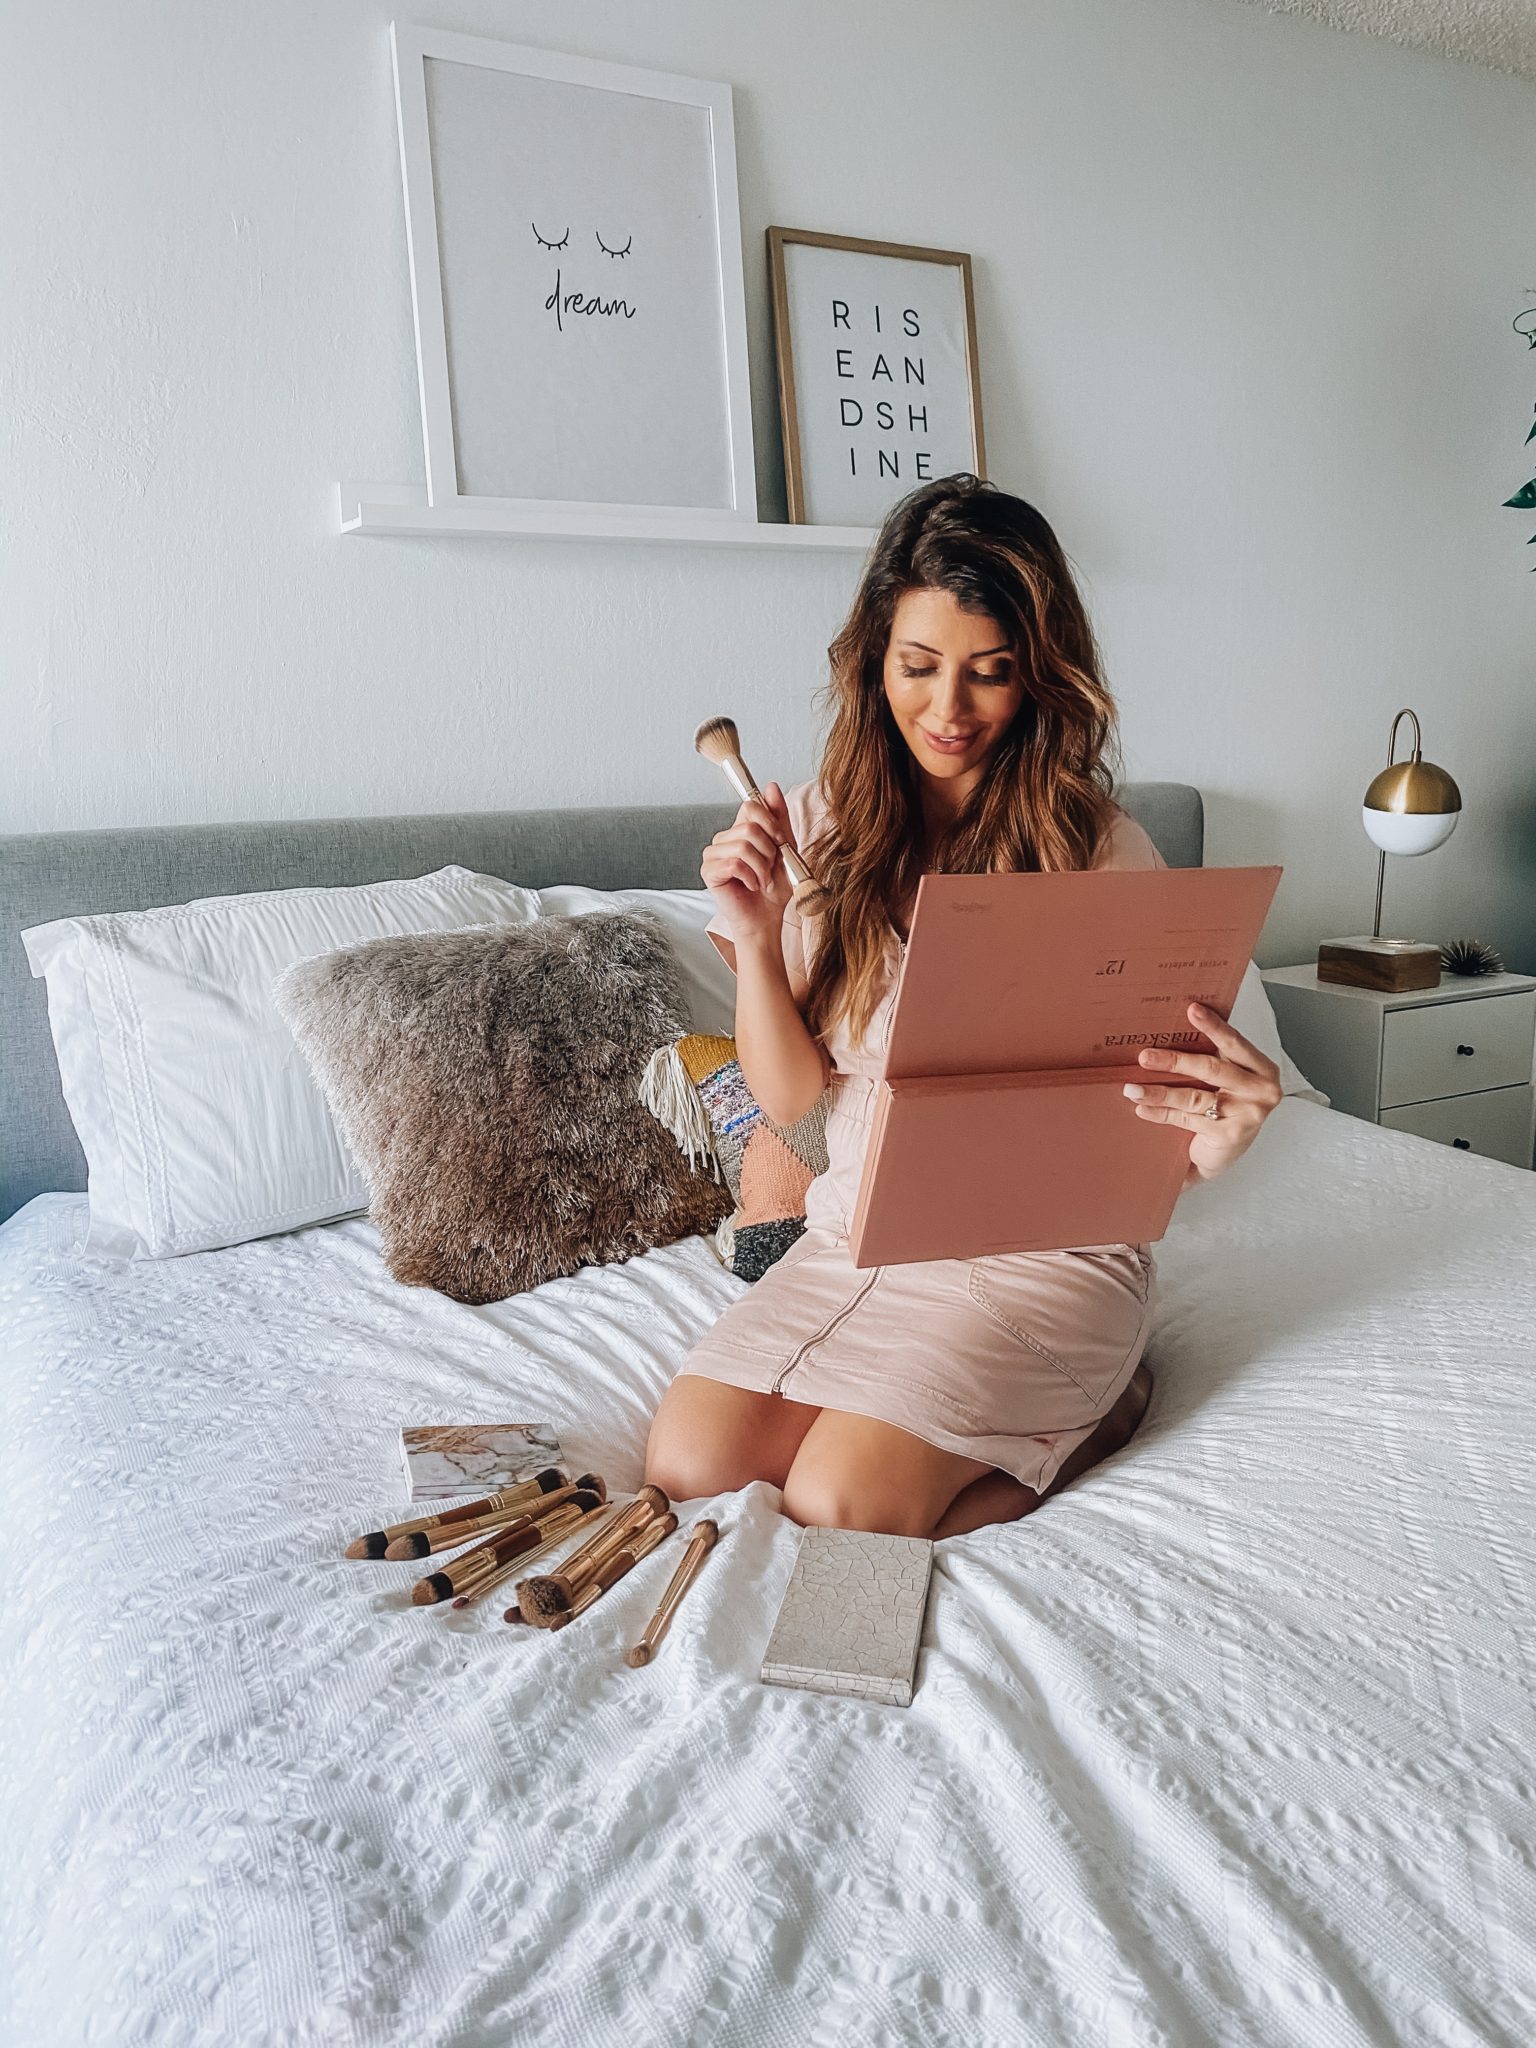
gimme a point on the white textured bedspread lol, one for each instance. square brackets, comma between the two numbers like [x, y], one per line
[1233, 1743]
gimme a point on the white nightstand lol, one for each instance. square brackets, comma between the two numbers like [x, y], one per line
[1451, 1063]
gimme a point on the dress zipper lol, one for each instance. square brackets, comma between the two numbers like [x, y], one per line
[848, 1308]
[823, 1333]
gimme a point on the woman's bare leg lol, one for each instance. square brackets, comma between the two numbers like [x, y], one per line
[852, 1472]
[997, 1497]
[708, 1437]
[848, 1471]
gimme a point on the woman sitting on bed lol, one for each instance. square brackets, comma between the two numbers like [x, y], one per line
[971, 734]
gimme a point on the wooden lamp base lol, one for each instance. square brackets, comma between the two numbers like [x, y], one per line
[1390, 966]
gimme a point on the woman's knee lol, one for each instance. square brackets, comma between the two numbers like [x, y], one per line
[830, 1499]
[687, 1465]
[706, 1439]
[693, 1472]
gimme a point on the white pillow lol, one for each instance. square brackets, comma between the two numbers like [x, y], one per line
[1253, 1014]
[709, 985]
[199, 1120]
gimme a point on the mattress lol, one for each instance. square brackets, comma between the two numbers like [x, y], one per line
[1230, 1743]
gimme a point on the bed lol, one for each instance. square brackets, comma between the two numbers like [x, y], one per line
[1230, 1743]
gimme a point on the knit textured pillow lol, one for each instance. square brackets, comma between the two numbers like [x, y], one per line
[487, 1081]
[695, 1087]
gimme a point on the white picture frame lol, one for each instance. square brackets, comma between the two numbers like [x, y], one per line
[611, 423]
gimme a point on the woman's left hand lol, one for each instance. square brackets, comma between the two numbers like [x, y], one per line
[1247, 1086]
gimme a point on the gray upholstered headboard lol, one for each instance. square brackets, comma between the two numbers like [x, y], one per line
[70, 874]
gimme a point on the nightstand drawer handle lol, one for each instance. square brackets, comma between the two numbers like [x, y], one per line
[1465, 1048]
[1462, 1144]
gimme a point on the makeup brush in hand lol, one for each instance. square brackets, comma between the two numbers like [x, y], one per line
[718, 740]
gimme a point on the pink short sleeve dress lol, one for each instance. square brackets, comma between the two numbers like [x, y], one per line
[1011, 1359]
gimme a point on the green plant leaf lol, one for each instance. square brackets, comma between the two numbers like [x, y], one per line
[1531, 436]
[1524, 499]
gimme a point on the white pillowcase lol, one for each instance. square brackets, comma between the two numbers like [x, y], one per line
[708, 984]
[1253, 1014]
[199, 1120]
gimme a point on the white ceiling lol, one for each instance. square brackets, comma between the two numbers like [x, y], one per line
[1498, 33]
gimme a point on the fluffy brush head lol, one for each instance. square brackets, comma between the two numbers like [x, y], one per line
[542, 1599]
[718, 740]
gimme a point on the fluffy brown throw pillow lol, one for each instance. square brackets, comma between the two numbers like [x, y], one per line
[488, 1082]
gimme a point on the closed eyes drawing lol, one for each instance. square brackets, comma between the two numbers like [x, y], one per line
[563, 303]
[565, 239]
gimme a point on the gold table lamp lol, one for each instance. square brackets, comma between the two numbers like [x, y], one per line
[1410, 808]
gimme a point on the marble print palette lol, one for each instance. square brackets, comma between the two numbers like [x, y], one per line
[474, 1457]
[852, 1616]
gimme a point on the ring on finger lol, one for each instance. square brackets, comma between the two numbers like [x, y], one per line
[1213, 1107]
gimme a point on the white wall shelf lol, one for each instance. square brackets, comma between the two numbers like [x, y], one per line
[403, 509]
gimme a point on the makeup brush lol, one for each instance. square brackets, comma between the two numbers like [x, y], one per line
[457, 1573]
[542, 1598]
[452, 1579]
[423, 1542]
[496, 1549]
[700, 1543]
[626, 1560]
[554, 1532]
[497, 1555]
[718, 740]
[377, 1541]
[489, 1577]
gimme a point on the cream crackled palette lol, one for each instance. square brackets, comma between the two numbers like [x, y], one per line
[852, 1616]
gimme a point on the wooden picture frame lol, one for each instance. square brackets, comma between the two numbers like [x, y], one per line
[645, 413]
[844, 311]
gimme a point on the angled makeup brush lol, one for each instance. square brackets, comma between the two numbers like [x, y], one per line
[700, 1543]
[718, 740]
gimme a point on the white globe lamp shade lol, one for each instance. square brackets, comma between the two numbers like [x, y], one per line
[1408, 832]
[1411, 806]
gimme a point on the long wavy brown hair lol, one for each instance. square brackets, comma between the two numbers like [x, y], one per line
[1044, 799]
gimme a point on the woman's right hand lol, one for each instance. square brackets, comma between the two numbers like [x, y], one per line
[742, 870]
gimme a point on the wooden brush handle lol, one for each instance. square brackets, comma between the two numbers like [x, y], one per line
[741, 780]
[617, 1566]
[489, 1573]
[458, 1572]
[543, 1594]
[620, 1536]
[510, 1497]
[505, 1520]
[700, 1544]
